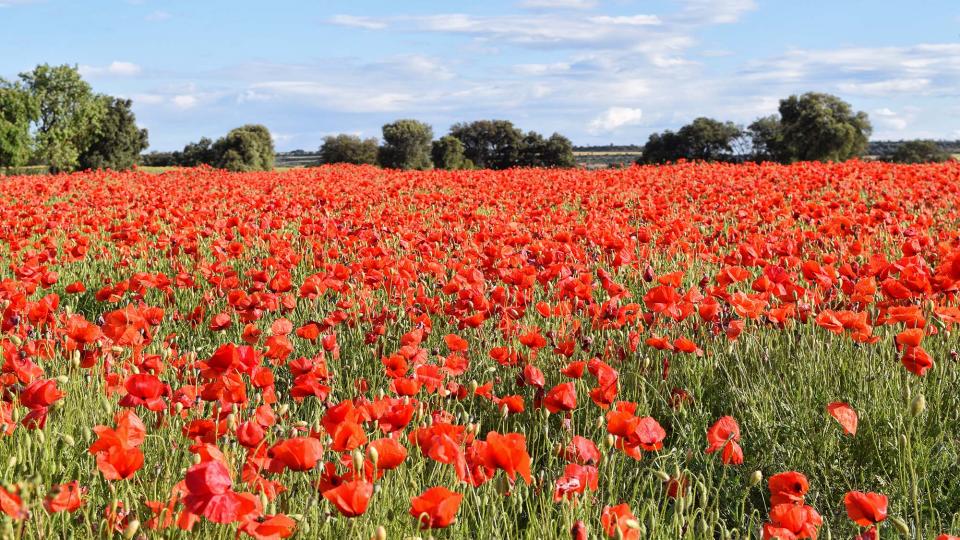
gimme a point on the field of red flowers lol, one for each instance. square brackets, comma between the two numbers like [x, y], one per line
[689, 351]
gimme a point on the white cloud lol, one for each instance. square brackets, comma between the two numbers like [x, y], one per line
[185, 101]
[368, 23]
[158, 16]
[886, 87]
[117, 68]
[615, 118]
[558, 4]
[891, 119]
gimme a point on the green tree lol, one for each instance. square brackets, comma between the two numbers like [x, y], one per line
[766, 139]
[447, 153]
[117, 141]
[18, 110]
[246, 148]
[69, 113]
[821, 127]
[919, 151]
[345, 148]
[197, 153]
[703, 139]
[490, 144]
[556, 151]
[406, 145]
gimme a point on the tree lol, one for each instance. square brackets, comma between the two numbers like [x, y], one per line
[557, 151]
[17, 110]
[117, 141]
[821, 127]
[703, 139]
[406, 145]
[490, 144]
[197, 153]
[349, 149]
[919, 151]
[69, 113]
[246, 148]
[447, 153]
[766, 139]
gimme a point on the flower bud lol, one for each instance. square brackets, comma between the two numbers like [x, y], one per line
[900, 525]
[381, 533]
[374, 456]
[755, 478]
[131, 530]
[918, 405]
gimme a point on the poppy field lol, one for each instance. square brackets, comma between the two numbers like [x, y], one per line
[685, 351]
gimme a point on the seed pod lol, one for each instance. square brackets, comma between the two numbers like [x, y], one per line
[900, 525]
[918, 405]
[131, 529]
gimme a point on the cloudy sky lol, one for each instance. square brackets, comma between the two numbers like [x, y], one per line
[598, 71]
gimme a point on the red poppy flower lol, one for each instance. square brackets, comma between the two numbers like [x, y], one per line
[787, 488]
[724, 436]
[64, 497]
[436, 507]
[865, 509]
[350, 498]
[845, 415]
[297, 453]
[562, 397]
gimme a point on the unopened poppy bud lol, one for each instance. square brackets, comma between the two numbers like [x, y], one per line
[41, 438]
[633, 524]
[755, 478]
[131, 529]
[196, 459]
[664, 477]
[381, 533]
[283, 410]
[504, 410]
[264, 501]
[646, 362]
[374, 456]
[610, 441]
[12, 462]
[63, 379]
[473, 386]
[600, 422]
[178, 407]
[918, 405]
[357, 460]
[116, 350]
[900, 525]
[16, 340]
[69, 440]
[503, 487]
[232, 421]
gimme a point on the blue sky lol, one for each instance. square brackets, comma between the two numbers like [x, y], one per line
[598, 71]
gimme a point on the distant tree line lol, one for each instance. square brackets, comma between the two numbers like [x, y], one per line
[484, 144]
[809, 127]
[243, 149]
[51, 117]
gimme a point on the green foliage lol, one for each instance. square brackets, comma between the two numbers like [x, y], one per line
[117, 141]
[766, 138]
[820, 127]
[703, 139]
[69, 113]
[17, 110]
[919, 151]
[246, 148]
[447, 153]
[406, 145]
[198, 153]
[345, 148]
[555, 151]
[490, 144]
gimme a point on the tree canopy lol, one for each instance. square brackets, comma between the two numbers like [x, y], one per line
[345, 148]
[117, 142]
[406, 145]
[246, 148]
